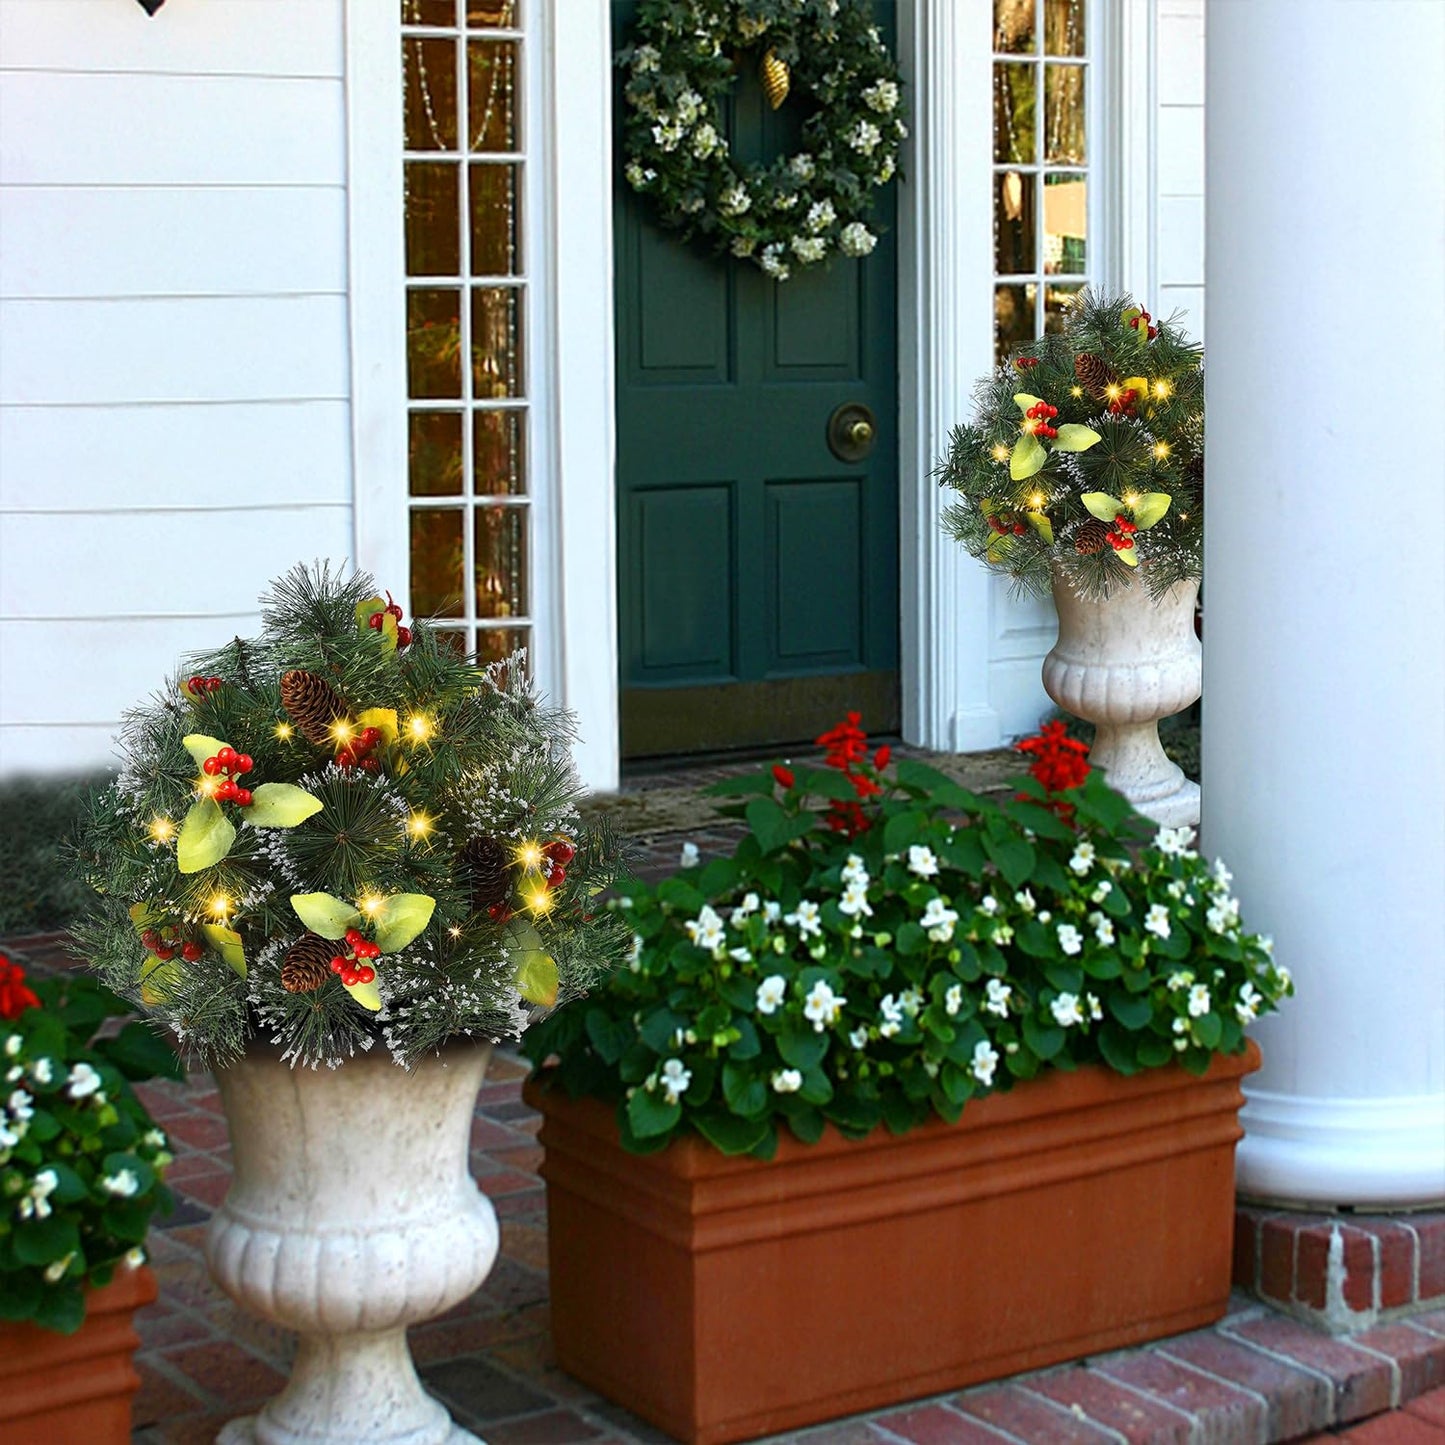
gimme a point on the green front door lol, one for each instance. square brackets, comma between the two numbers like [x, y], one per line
[758, 571]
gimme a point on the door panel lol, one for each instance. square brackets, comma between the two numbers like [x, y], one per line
[758, 574]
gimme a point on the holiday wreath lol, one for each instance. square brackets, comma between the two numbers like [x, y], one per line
[801, 209]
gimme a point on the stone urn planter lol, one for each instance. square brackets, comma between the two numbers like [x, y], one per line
[724, 1298]
[1123, 662]
[75, 1389]
[352, 1214]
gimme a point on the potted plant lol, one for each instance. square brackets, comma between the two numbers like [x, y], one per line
[917, 1088]
[80, 1179]
[340, 844]
[1083, 472]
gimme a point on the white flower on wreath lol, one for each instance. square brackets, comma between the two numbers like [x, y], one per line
[938, 920]
[805, 919]
[771, 993]
[689, 107]
[691, 205]
[787, 1081]
[772, 263]
[820, 216]
[749, 28]
[785, 200]
[802, 167]
[996, 997]
[744, 910]
[734, 201]
[705, 141]
[911, 1000]
[645, 59]
[881, 96]
[772, 911]
[1066, 1011]
[639, 177]
[706, 930]
[822, 1006]
[809, 249]
[984, 1062]
[988, 905]
[666, 136]
[20, 1105]
[885, 171]
[865, 137]
[675, 1078]
[743, 246]
[634, 954]
[42, 1071]
[921, 861]
[1025, 900]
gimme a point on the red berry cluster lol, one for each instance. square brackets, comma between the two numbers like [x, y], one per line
[1005, 528]
[392, 609]
[1042, 413]
[165, 943]
[558, 854]
[198, 685]
[230, 764]
[1141, 323]
[1124, 403]
[351, 966]
[1026, 363]
[358, 752]
[1121, 534]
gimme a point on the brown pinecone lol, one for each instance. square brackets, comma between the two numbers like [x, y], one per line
[1094, 374]
[312, 704]
[485, 862]
[1090, 537]
[307, 964]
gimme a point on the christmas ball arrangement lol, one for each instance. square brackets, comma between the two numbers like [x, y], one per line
[341, 834]
[1085, 458]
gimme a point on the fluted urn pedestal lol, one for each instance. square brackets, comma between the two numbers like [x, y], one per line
[1123, 662]
[351, 1215]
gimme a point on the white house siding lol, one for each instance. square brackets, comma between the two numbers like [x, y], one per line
[174, 372]
[1179, 161]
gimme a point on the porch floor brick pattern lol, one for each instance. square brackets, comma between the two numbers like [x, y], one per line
[1258, 1377]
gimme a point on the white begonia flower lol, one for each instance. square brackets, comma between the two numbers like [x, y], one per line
[953, 999]
[688, 857]
[772, 911]
[734, 201]
[1198, 1001]
[1083, 859]
[1223, 915]
[634, 954]
[1180, 978]
[749, 28]
[82, 1081]
[1181, 1026]
[154, 1139]
[706, 930]
[881, 96]
[859, 1037]
[820, 216]
[1025, 900]
[1175, 888]
[855, 239]
[9, 1138]
[787, 1081]
[675, 1078]
[1267, 944]
[14, 1074]
[809, 248]
[1045, 916]
[745, 909]
[939, 920]
[21, 1105]
[689, 106]
[854, 901]
[1180, 1045]
[1070, 939]
[1096, 1009]
[705, 141]
[1174, 842]
[638, 176]
[854, 870]
[805, 919]
[55, 1272]
[988, 904]
[1221, 875]
[1157, 921]
[892, 1014]
[921, 861]
[997, 995]
[135, 1257]
[36, 1200]
[1103, 927]
[1003, 935]
[1104, 889]
[911, 1000]
[865, 137]
[984, 1062]
[772, 991]
[822, 1006]
[1246, 1008]
[12, 1046]
[1066, 1010]
[741, 955]
[122, 1184]
[42, 1071]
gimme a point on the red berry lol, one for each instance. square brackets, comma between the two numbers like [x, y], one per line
[243, 797]
[1125, 543]
[337, 963]
[227, 791]
[243, 763]
[560, 850]
[211, 767]
[191, 952]
[1019, 529]
[369, 765]
[346, 759]
[365, 974]
[374, 621]
[227, 756]
[365, 949]
[163, 953]
[557, 877]
[370, 737]
[212, 684]
[151, 939]
[403, 637]
[355, 936]
[196, 684]
[499, 913]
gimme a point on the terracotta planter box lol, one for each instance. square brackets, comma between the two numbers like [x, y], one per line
[724, 1299]
[75, 1389]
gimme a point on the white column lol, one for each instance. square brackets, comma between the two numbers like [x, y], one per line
[1324, 641]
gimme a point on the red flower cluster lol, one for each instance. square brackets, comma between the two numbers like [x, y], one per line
[1059, 761]
[844, 747]
[15, 994]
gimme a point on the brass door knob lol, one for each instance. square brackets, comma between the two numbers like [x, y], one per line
[852, 431]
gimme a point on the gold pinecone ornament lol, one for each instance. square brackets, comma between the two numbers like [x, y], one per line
[307, 964]
[777, 79]
[485, 862]
[1091, 537]
[313, 705]
[1094, 374]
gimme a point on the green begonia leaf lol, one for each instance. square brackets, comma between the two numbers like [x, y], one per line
[280, 805]
[1150, 508]
[401, 918]
[206, 837]
[323, 914]
[1102, 506]
[226, 942]
[1075, 438]
[200, 747]
[651, 1114]
[1027, 457]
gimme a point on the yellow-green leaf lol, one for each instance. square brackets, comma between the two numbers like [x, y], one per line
[366, 994]
[1128, 556]
[537, 976]
[1139, 385]
[1026, 458]
[323, 914]
[226, 942]
[1150, 508]
[1075, 438]
[143, 915]
[200, 747]
[366, 609]
[280, 805]
[206, 837]
[1041, 525]
[1025, 401]
[999, 545]
[383, 719]
[400, 919]
[158, 980]
[1102, 505]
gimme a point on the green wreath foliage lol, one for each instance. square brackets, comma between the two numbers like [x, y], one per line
[802, 209]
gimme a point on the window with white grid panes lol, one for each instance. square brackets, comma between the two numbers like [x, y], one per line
[467, 295]
[1042, 158]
